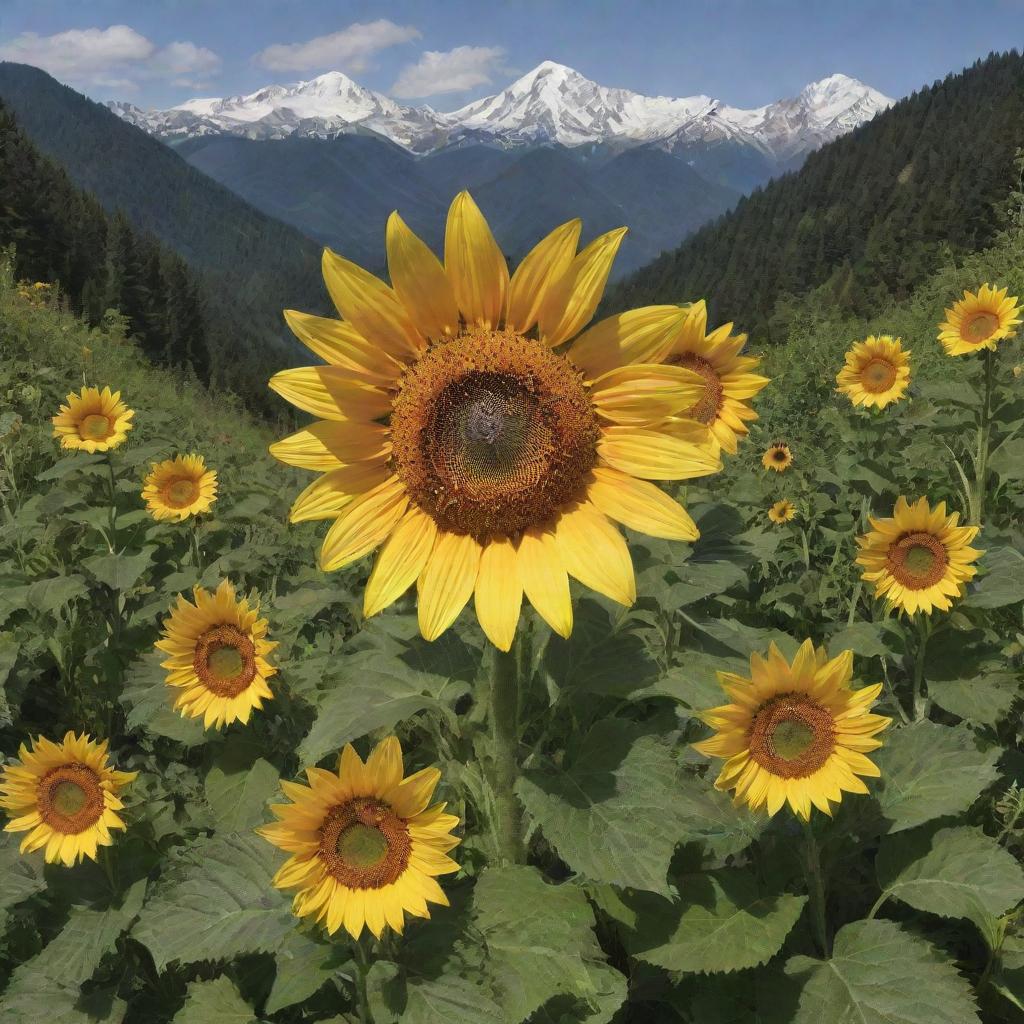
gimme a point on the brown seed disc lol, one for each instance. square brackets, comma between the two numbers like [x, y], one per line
[180, 492]
[877, 375]
[980, 327]
[492, 433]
[917, 560]
[706, 409]
[70, 799]
[364, 844]
[792, 736]
[225, 660]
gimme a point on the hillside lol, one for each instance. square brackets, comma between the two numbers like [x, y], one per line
[869, 216]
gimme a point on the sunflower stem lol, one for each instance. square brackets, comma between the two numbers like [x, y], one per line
[977, 503]
[816, 888]
[197, 551]
[504, 715]
[921, 702]
[362, 957]
[112, 495]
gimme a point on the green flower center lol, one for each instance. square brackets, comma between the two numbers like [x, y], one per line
[95, 427]
[225, 663]
[919, 560]
[182, 492]
[981, 326]
[362, 846]
[791, 738]
[68, 798]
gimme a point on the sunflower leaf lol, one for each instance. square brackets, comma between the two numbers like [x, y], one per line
[237, 788]
[149, 702]
[723, 922]
[304, 965]
[1002, 584]
[20, 876]
[881, 974]
[216, 901]
[119, 571]
[216, 1000]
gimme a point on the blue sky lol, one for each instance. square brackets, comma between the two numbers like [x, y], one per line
[447, 52]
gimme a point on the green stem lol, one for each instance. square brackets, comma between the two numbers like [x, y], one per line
[504, 722]
[921, 702]
[816, 888]
[197, 552]
[112, 490]
[877, 906]
[977, 504]
[362, 969]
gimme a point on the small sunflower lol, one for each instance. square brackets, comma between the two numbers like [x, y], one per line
[919, 558]
[93, 421]
[979, 320]
[777, 457]
[724, 407]
[180, 487]
[366, 845]
[794, 733]
[218, 656]
[782, 511]
[459, 434]
[65, 795]
[877, 372]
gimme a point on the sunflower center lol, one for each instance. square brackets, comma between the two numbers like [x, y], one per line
[779, 455]
[225, 660]
[364, 844]
[95, 427]
[792, 736]
[706, 409]
[980, 327]
[492, 434]
[918, 560]
[877, 376]
[70, 799]
[180, 493]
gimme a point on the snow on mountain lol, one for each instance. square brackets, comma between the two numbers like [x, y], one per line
[552, 103]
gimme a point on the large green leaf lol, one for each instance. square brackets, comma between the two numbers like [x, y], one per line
[985, 697]
[216, 902]
[930, 771]
[303, 966]
[119, 571]
[150, 703]
[955, 872]
[1002, 584]
[237, 788]
[880, 974]
[724, 921]
[214, 1002]
[50, 594]
[610, 809]
[713, 819]
[450, 999]
[20, 876]
[9, 648]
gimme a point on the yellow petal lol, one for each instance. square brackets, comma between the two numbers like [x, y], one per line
[371, 307]
[447, 582]
[656, 454]
[594, 552]
[499, 593]
[420, 282]
[541, 269]
[327, 445]
[475, 265]
[340, 344]
[330, 393]
[544, 579]
[326, 496]
[400, 562]
[644, 335]
[640, 505]
[646, 391]
[364, 525]
[569, 305]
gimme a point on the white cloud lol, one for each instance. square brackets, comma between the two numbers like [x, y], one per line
[456, 70]
[186, 58]
[347, 50]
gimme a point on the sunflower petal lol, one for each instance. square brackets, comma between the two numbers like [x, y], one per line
[447, 582]
[340, 344]
[645, 335]
[329, 444]
[640, 505]
[400, 561]
[326, 496]
[541, 269]
[420, 282]
[656, 454]
[475, 265]
[364, 525]
[327, 392]
[594, 552]
[499, 593]
[544, 578]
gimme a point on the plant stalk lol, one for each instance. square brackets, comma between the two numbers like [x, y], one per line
[816, 888]
[362, 969]
[977, 504]
[504, 716]
[921, 702]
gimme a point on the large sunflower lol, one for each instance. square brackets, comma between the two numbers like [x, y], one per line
[919, 558]
[794, 733]
[483, 460]
[782, 511]
[365, 843]
[180, 487]
[65, 796]
[724, 407]
[778, 457]
[877, 372]
[218, 651]
[93, 421]
[979, 320]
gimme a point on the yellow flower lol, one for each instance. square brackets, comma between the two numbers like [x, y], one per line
[782, 511]
[180, 487]
[65, 796]
[794, 734]
[919, 558]
[218, 656]
[484, 458]
[365, 844]
[728, 383]
[877, 372]
[979, 320]
[93, 421]
[777, 457]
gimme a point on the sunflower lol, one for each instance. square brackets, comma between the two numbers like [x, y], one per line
[777, 457]
[795, 733]
[724, 407]
[877, 372]
[483, 460]
[218, 656]
[365, 843]
[782, 511]
[979, 320]
[180, 487]
[919, 558]
[65, 796]
[93, 421]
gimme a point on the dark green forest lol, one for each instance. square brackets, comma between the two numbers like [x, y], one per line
[867, 218]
